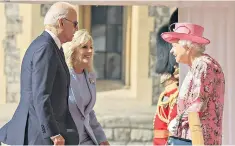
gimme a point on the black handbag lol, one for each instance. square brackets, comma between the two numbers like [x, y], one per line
[172, 140]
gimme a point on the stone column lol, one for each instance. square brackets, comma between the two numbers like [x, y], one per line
[86, 17]
[126, 45]
[2, 55]
[142, 25]
[38, 12]
[12, 51]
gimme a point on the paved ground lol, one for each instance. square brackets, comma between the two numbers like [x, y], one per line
[109, 104]
[126, 120]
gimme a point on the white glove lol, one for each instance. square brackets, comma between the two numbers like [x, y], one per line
[173, 126]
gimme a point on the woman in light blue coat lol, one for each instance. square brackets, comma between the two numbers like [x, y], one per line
[82, 95]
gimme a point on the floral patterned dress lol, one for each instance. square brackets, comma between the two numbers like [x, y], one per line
[202, 91]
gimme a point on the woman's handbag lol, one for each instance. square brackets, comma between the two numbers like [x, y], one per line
[172, 140]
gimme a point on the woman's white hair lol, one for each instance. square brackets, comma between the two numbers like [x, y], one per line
[191, 45]
[57, 11]
[81, 37]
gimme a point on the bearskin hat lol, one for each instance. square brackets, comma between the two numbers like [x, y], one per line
[165, 60]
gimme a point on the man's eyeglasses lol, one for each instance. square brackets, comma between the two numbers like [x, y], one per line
[75, 23]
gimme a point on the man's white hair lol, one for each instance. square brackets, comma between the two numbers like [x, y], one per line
[57, 11]
[191, 45]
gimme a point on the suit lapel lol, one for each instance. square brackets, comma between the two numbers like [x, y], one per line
[76, 93]
[92, 88]
[62, 59]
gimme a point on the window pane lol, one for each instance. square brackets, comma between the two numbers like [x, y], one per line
[99, 37]
[114, 38]
[98, 14]
[113, 66]
[119, 38]
[106, 29]
[99, 61]
[114, 15]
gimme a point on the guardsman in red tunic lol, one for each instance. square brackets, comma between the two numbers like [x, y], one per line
[168, 69]
[166, 108]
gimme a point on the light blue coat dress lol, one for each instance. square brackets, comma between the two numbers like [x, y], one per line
[82, 98]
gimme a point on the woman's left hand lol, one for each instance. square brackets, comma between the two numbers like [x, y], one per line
[104, 143]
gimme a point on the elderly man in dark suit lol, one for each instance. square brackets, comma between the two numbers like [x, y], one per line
[42, 117]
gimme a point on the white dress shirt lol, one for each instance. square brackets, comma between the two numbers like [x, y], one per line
[55, 38]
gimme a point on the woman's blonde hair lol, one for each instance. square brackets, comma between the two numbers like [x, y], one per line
[81, 38]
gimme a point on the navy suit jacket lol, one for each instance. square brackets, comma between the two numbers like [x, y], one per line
[43, 109]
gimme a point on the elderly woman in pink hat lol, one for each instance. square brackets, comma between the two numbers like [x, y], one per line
[203, 88]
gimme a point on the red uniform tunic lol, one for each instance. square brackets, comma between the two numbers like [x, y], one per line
[166, 111]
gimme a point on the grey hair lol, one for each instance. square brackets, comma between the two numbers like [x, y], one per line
[57, 11]
[191, 45]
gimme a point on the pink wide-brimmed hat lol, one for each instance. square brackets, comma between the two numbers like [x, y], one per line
[186, 31]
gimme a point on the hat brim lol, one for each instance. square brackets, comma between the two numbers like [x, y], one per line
[172, 37]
